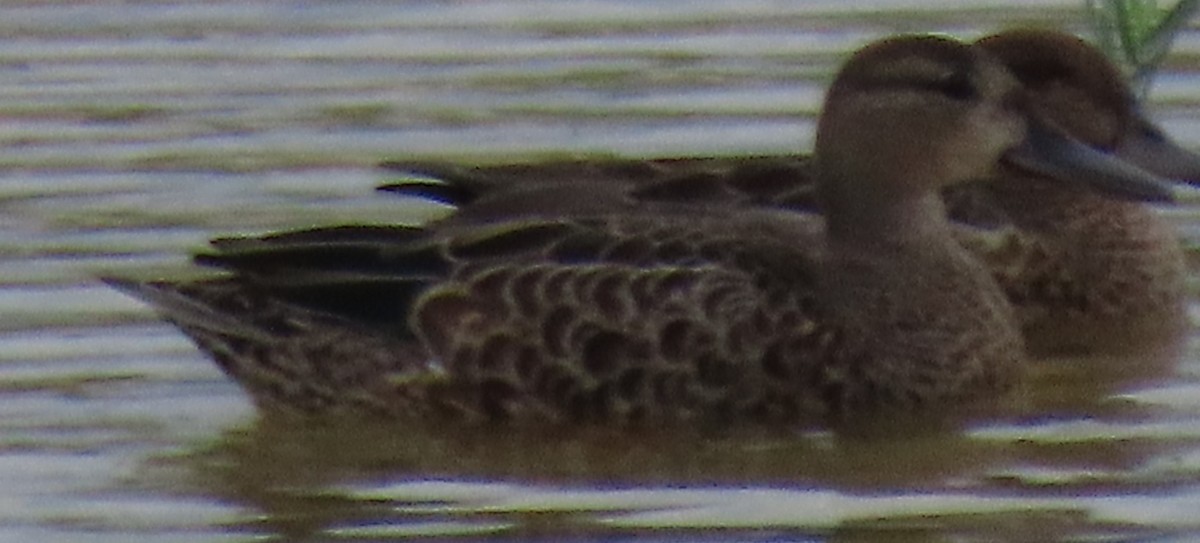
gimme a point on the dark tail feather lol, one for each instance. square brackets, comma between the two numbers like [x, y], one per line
[233, 307]
[187, 310]
[330, 234]
[356, 252]
[434, 192]
[438, 182]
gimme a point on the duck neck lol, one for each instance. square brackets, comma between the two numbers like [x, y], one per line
[869, 219]
[897, 281]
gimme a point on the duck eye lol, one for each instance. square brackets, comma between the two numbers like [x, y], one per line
[956, 85]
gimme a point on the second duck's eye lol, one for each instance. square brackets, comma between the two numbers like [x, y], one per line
[956, 85]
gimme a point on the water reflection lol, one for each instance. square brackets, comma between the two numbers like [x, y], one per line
[373, 480]
[1056, 462]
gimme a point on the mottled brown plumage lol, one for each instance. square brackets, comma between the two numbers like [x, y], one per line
[664, 312]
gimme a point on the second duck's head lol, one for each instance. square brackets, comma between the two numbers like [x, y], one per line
[1075, 85]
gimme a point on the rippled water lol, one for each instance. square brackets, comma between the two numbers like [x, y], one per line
[134, 131]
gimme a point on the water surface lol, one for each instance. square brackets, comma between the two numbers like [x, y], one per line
[134, 131]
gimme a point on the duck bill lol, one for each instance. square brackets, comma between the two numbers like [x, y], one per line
[1147, 146]
[1048, 152]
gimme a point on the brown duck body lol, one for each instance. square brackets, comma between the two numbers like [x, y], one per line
[634, 318]
[665, 311]
[1078, 265]
[1085, 271]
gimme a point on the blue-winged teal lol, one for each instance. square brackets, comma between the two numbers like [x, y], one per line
[667, 312]
[1075, 263]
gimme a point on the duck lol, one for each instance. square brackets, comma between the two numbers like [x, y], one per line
[1086, 270]
[667, 313]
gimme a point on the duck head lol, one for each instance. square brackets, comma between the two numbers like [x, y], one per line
[1075, 86]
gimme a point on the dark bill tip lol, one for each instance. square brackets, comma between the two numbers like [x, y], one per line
[1147, 146]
